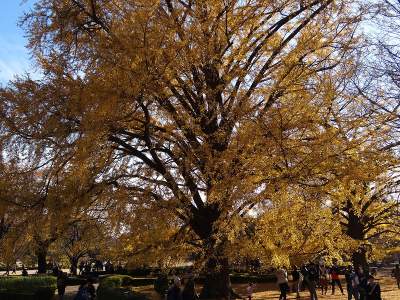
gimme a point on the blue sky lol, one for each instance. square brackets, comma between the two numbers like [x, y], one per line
[14, 57]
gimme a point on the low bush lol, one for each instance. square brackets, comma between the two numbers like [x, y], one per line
[27, 288]
[118, 287]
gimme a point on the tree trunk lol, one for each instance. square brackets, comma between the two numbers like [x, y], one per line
[217, 283]
[41, 254]
[359, 259]
[355, 230]
[74, 265]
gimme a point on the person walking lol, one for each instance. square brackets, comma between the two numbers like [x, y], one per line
[81, 266]
[91, 289]
[352, 283]
[363, 281]
[83, 292]
[323, 279]
[174, 292]
[313, 278]
[24, 271]
[373, 291]
[61, 284]
[396, 275]
[304, 276]
[335, 279]
[189, 291]
[296, 281]
[250, 290]
[282, 280]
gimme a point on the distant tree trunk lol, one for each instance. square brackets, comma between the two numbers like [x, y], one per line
[74, 265]
[359, 259]
[42, 248]
[41, 254]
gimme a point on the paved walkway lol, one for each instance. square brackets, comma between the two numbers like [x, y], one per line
[70, 292]
[30, 272]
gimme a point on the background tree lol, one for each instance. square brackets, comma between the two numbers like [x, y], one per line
[79, 240]
[369, 213]
[371, 209]
[298, 226]
[14, 246]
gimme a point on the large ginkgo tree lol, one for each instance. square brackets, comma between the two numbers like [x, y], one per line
[199, 111]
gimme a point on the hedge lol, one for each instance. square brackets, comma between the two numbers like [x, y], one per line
[27, 287]
[118, 287]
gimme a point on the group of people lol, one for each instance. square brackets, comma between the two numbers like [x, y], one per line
[360, 285]
[86, 267]
[180, 289]
[24, 271]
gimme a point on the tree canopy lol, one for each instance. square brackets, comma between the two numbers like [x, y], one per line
[206, 121]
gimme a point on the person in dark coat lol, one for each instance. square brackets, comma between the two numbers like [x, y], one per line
[396, 275]
[61, 284]
[373, 290]
[91, 289]
[83, 292]
[174, 292]
[189, 291]
[296, 281]
[363, 281]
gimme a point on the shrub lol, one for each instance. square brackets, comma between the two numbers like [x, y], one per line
[161, 284]
[117, 287]
[30, 287]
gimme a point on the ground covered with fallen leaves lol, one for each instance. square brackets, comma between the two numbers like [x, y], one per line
[270, 291]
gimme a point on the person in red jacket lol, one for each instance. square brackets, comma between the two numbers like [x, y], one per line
[335, 279]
